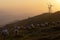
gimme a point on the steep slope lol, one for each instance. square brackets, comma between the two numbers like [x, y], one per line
[45, 27]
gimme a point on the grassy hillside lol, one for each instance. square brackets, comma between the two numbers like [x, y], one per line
[41, 27]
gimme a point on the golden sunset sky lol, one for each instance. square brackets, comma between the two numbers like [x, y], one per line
[20, 9]
[29, 6]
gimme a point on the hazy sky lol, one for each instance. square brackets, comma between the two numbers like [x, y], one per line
[27, 6]
[19, 9]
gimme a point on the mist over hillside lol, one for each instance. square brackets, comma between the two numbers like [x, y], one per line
[45, 17]
[7, 17]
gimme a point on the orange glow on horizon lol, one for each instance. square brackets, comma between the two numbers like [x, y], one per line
[30, 6]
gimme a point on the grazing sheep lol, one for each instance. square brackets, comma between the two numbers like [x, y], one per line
[32, 25]
[42, 25]
[16, 31]
[5, 33]
[53, 23]
[46, 23]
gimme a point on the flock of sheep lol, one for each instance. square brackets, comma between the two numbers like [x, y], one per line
[4, 32]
